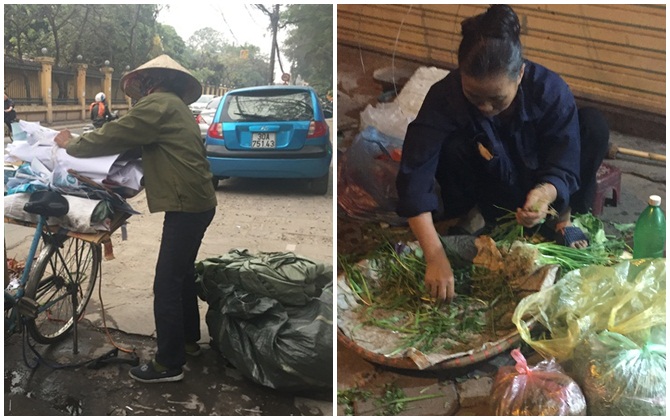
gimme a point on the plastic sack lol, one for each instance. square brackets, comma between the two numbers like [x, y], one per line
[622, 377]
[541, 390]
[389, 118]
[84, 215]
[287, 346]
[393, 118]
[366, 177]
[626, 297]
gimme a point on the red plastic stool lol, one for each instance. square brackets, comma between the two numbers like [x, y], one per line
[607, 178]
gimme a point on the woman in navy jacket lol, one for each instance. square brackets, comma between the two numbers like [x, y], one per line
[498, 132]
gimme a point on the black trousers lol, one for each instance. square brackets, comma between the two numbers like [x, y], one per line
[463, 181]
[8, 123]
[175, 296]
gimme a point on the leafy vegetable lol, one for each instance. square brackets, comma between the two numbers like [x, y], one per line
[349, 396]
[391, 402]
[593, 227]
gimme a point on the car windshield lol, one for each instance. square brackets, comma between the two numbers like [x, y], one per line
[213, 103]
[268, 106]
[204, 99]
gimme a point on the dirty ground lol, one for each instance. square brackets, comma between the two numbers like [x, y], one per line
[210, 386]
[463, 391]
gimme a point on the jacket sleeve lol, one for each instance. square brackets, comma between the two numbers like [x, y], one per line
[139, 127]
[415, 181]
[560, 147]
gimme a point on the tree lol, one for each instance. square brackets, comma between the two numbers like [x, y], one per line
[172, 43]
[309, 44]
[22, 31]
[216, 62]
[125, 35]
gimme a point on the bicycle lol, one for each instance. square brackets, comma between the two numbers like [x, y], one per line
[54, 289]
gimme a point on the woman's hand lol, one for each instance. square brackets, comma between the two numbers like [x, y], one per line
[439, 279]
[536, 208]
[63, 138]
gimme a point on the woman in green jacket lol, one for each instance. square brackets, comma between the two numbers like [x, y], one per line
[178, 182]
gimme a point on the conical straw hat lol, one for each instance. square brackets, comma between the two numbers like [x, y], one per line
[131, 82]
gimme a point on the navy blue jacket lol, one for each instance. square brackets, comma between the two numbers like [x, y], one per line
[541, 144]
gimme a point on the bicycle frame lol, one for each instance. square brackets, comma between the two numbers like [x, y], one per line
[12, 323]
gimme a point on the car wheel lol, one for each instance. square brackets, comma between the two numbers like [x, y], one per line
[320, 185]
[215, 181]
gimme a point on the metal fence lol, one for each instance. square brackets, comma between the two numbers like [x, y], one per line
[22, 83]
[60, 98]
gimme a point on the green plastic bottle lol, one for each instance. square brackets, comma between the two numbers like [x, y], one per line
[649, 236]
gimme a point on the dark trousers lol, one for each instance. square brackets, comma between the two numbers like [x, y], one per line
[10, 117]
[8, 123]
[463, 182]
[595, 135]
[175, 297]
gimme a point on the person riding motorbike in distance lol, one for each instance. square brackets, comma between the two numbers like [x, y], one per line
[100, 111]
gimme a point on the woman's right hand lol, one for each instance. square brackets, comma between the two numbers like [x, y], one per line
[439, 278]
[63, 138]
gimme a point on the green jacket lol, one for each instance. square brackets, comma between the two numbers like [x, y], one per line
[176, 171]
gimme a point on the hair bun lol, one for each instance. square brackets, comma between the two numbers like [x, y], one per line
[500, 21]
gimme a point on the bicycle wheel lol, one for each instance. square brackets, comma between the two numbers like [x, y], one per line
[65, 266]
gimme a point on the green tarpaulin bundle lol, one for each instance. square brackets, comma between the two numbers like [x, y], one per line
[270, 315]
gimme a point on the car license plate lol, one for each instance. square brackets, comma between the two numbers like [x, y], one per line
[263, 140]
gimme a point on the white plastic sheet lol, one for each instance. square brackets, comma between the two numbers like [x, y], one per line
[393, 118]
[54, 162]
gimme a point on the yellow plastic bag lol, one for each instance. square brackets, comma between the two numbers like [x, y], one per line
[623, 298]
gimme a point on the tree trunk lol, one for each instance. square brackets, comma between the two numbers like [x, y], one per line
[26, 84]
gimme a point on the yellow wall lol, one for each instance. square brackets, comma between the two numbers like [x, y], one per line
[613, 54]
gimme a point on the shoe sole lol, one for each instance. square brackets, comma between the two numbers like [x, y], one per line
[157, 380]
[194, 353]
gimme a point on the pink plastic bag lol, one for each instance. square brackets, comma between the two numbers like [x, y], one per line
[542, 390]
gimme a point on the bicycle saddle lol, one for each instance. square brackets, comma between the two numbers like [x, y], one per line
[47, 203]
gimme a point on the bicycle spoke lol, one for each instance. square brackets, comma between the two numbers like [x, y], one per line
[70, 267]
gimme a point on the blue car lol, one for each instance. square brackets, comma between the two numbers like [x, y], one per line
[270, 132]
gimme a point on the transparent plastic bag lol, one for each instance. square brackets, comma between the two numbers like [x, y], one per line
[621, 377]
[366, 181]
[541, 390]
[626, 297]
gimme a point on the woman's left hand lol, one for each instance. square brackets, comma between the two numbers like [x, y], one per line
[536, 208]
[529, 218]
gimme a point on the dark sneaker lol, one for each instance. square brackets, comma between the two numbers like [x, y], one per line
[151, 373]
[193, 349]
